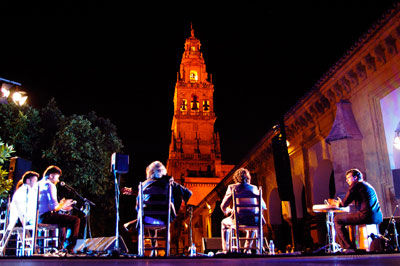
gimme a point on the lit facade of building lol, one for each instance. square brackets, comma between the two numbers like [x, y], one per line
[349, 119]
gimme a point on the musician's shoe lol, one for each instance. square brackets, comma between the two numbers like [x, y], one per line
[219, 252]
[348, 251]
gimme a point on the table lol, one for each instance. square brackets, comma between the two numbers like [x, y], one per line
[332, 246]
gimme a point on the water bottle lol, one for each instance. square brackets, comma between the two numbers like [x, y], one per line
[271, 247]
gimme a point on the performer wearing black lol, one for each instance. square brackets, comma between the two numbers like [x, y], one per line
[49, 207]
[156, 175]
[367, 205]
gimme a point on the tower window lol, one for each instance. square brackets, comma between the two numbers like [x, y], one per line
[206, 106]
[194, 104]
[183, 105]
[193, 49]
[193, 76]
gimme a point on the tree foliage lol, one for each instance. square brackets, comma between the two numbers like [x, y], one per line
[81, 145]
[5, 183]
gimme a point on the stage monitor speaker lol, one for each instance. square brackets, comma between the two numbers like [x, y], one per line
[120, 163]
[396, 182]
[213, 244]
[18, 166]
[100, 244]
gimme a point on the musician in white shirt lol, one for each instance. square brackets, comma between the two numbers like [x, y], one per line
[24, 202]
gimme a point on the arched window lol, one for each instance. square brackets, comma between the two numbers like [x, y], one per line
[183, 105]
[206, 106]
[194, 104]
[193, 76]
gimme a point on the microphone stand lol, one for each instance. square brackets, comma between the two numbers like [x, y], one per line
[395, 234]
[117, 251]
[86, 212]
[192, 247]
[392, 220]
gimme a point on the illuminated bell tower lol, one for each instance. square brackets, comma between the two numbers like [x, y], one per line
[194, 153]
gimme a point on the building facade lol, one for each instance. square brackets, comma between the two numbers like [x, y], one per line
[349, 119]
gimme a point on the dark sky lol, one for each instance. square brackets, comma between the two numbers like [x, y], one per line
[121, 61]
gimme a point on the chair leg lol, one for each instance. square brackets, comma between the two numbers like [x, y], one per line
[229, 237]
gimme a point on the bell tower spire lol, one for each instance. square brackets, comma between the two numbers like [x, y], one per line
[194, 154]
[191, 30]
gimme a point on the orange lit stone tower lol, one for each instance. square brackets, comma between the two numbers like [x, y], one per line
[194, 153]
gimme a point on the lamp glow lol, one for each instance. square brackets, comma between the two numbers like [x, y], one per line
[16, 97]
[396, 142]
[5, 92]
[19, 98]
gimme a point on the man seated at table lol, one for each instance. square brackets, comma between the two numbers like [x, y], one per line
[367, 205]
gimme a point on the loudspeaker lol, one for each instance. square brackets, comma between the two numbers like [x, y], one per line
[396, 182]
[211, 244]
[120, 163]
[282, 168]
[100, 244]
[18, 167]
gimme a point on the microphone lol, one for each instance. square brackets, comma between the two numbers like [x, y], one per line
[62, 183]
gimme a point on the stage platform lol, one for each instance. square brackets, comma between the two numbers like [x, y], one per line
[232, 260]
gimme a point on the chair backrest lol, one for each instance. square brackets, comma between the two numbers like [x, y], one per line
[156, 202]
[247, 213]
[247, 207]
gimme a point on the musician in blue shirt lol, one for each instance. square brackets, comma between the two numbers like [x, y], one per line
[49, 207]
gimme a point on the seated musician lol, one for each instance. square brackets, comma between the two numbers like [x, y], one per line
[156, 175]
[24, 202]
[367, 205]
[248, 216]
[49, 207]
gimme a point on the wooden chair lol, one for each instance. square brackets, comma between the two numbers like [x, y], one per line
[247, 201]
[30, 240]
[160, 208]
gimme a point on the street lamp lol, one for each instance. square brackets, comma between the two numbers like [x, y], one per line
[17, 96]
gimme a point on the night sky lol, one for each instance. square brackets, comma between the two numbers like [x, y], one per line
[121, 61]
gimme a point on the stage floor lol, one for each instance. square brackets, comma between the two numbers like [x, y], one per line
[337, 260]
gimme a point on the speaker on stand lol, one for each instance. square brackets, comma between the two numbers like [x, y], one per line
[119, 165]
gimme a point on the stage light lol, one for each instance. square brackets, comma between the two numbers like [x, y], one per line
[19, 98]
[5, 92]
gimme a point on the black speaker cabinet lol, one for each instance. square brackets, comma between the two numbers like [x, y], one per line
[120, 163]
[18, 166]
[100, 244]
[396, 182]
